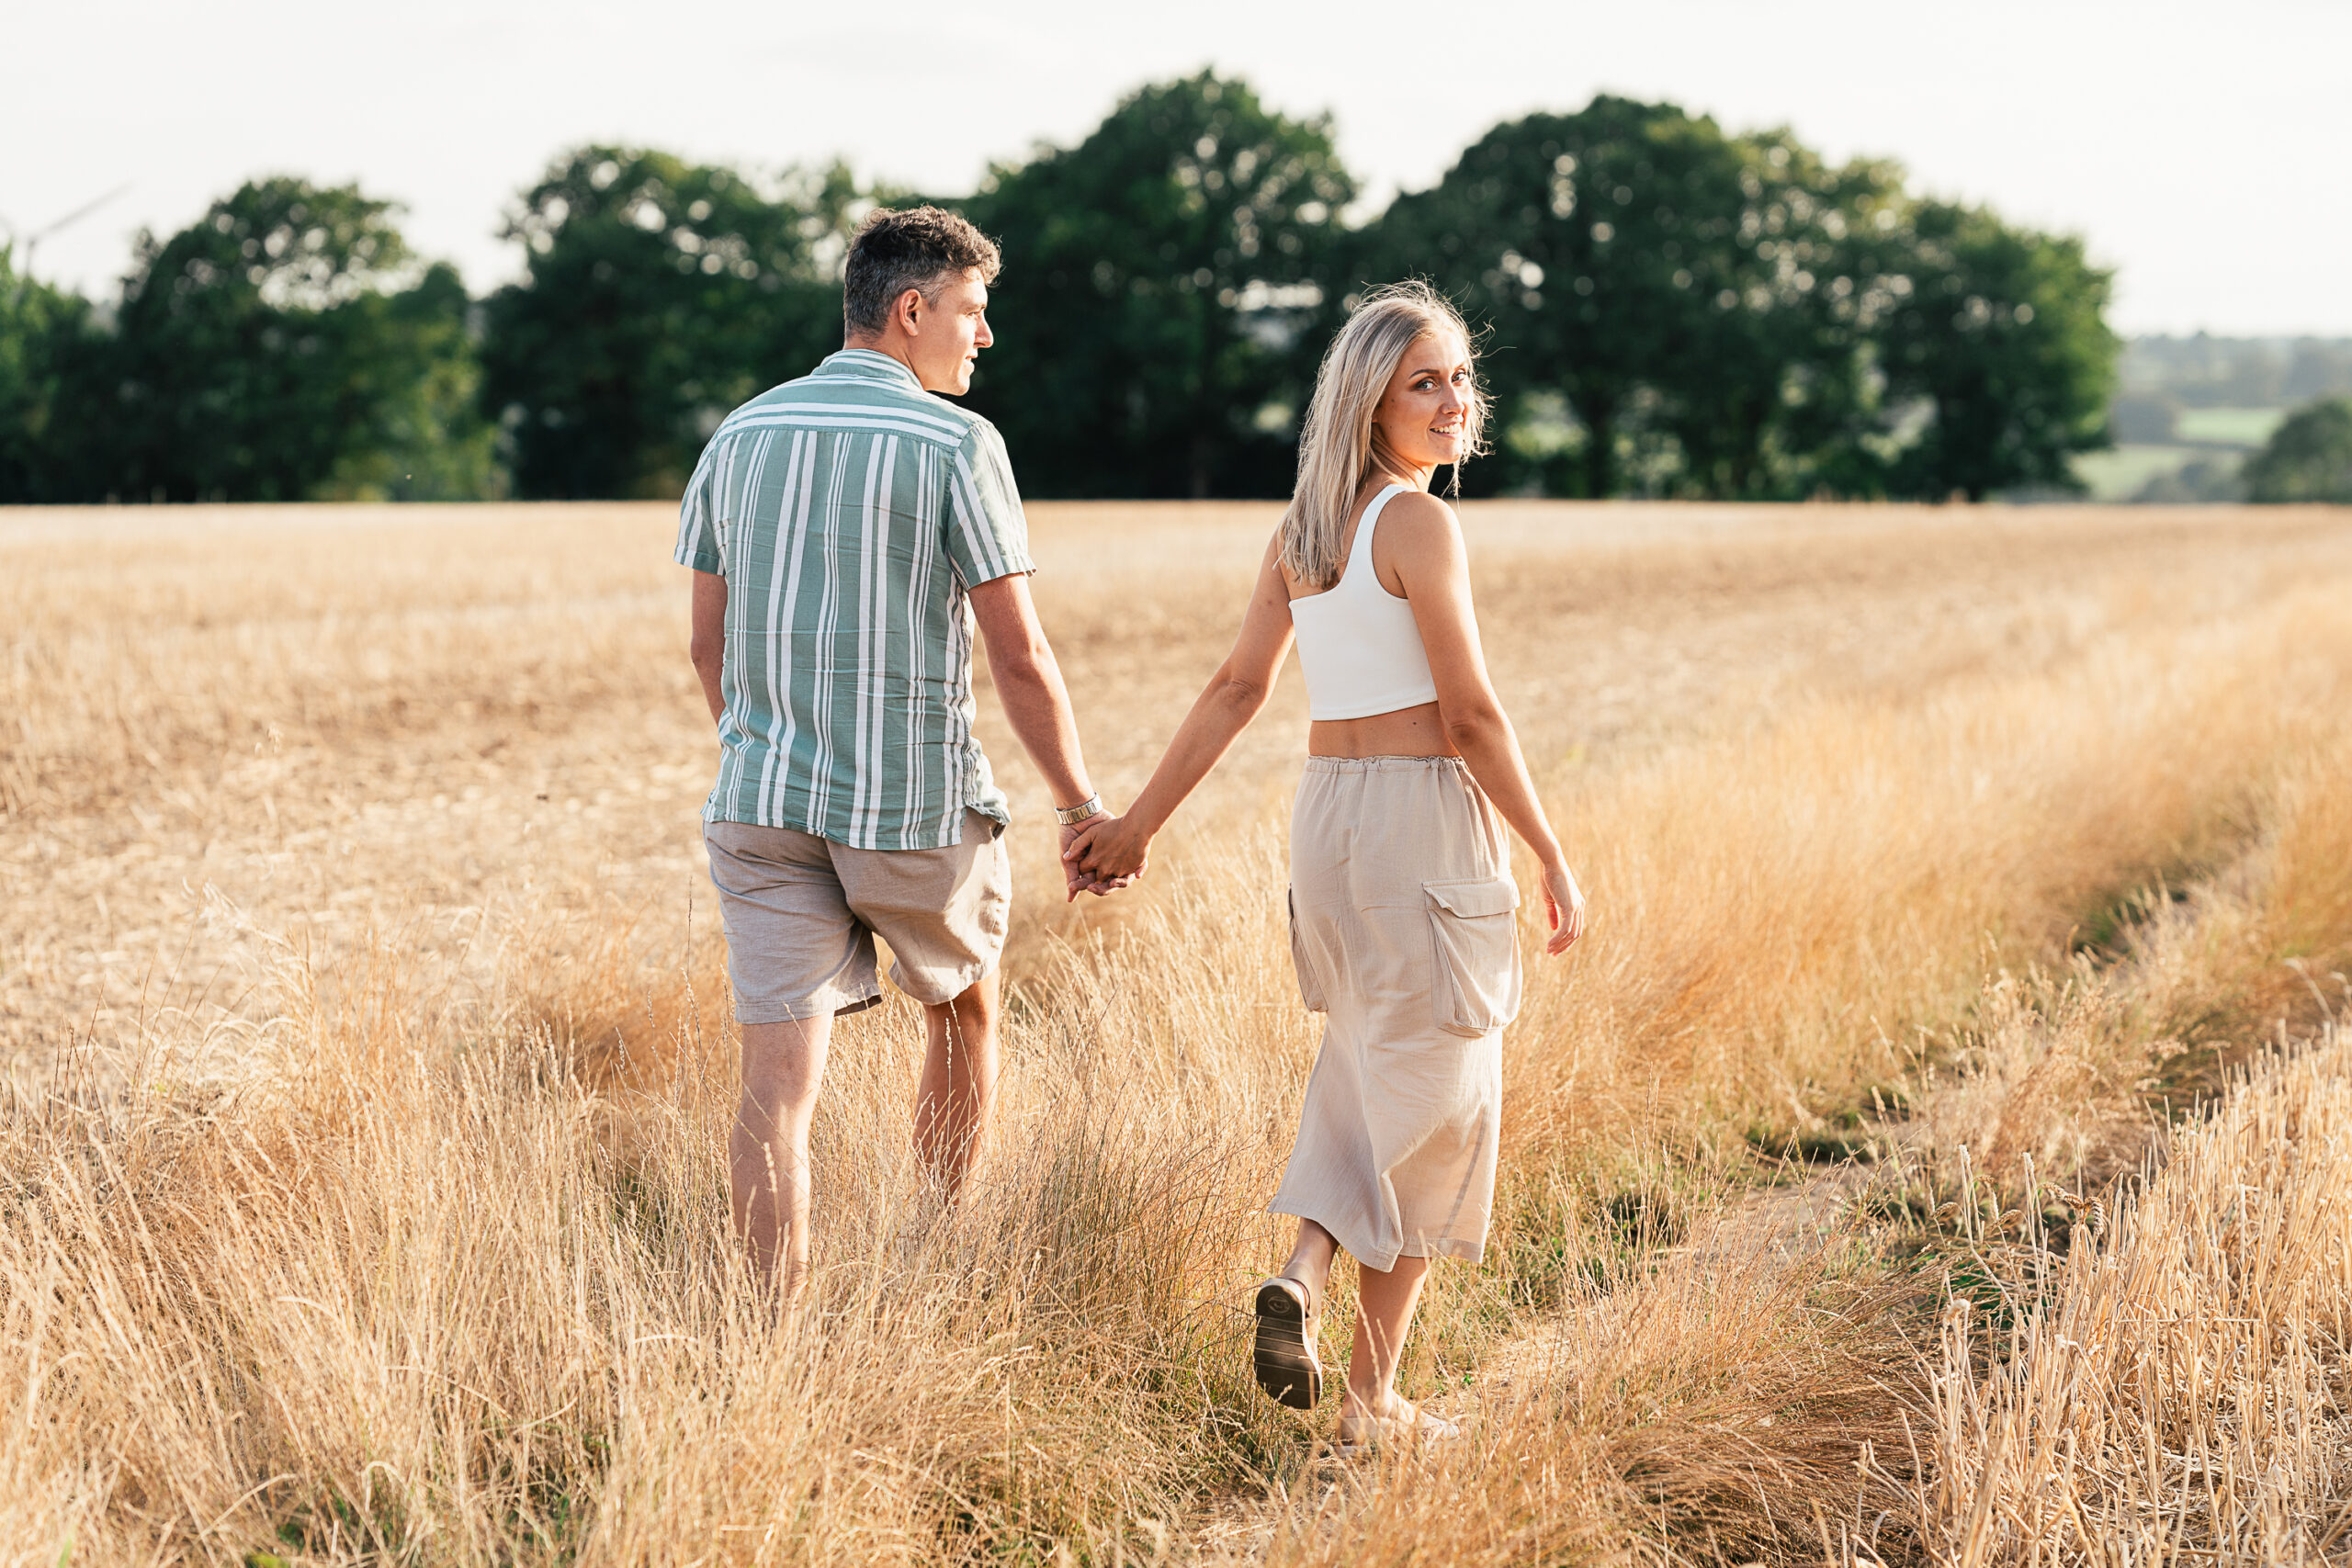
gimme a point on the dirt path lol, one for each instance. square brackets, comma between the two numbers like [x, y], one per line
[1780, 1227]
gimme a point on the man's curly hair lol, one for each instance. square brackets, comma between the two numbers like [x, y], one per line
[896, 249]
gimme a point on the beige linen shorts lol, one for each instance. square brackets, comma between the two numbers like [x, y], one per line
[802, 912]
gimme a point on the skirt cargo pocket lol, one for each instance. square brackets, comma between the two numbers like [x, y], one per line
[1475, 986]
[1310, 988]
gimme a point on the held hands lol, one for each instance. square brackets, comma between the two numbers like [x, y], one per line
[1114, 848]
[1080, 879]
[1564, 903]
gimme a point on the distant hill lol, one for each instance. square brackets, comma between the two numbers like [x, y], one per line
[2188, 409]
[2203, 372]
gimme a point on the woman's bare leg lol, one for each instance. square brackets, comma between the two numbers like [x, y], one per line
[1310, 1258]
[1384, 1303]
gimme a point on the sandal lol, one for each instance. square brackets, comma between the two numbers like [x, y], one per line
[1415, 1427]
[1283, 1357]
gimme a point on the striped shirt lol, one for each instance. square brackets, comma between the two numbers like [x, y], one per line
[850, 512]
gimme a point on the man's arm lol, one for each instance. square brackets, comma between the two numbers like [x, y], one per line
[1037, 703]
[708, 644]
[1030, 683]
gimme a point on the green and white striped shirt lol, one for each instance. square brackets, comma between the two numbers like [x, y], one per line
[850, 512]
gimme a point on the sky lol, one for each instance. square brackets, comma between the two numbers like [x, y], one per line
[2199, 148]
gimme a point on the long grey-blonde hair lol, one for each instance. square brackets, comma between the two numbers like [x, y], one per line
[1339, 446]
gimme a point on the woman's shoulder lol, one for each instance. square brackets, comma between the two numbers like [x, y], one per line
[1416, 516]
[1410, 502]
[1419, 542]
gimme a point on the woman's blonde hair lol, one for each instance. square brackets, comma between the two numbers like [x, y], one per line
[1339, 446]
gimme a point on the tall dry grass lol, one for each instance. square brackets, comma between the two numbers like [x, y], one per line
[2174, 1388]
[421, 1257]
[1789, 920]
[2177, 1390]
[390, 1298]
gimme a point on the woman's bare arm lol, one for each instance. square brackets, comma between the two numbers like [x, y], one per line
[1119, 846]
[1421, 540]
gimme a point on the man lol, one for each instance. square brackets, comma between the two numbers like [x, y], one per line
[839, 527]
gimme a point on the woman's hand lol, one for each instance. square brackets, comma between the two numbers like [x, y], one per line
[1564, 902]
[1108, 848]
[1077, 881]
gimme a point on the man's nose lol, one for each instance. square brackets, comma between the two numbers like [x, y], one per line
[984, 337]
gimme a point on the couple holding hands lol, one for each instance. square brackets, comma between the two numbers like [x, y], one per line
[849, 530]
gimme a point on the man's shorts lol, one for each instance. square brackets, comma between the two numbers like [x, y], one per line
[802, 913]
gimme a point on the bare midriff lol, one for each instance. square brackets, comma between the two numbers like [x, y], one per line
[1406, 732]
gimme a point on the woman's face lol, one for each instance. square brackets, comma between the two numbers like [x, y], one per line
[1428, 401]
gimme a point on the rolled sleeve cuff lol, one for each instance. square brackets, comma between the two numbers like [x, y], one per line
[1011, 566]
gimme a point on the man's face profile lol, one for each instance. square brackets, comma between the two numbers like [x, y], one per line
[946, 334]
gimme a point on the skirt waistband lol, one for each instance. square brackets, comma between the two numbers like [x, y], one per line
[1381, 764]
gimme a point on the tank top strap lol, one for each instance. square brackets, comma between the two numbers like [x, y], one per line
[1361, 549]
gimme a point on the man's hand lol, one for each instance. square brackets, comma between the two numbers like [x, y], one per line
[1080, 880]
[1037, 703]
[1115, 848]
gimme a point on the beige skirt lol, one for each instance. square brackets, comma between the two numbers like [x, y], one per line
[1404, 931]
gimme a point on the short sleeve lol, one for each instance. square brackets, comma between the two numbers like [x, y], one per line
[987, 537]
[698, 520]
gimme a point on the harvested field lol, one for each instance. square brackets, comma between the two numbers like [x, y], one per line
[362, 1013]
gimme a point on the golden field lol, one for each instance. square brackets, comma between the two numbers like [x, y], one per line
[1865, 1195]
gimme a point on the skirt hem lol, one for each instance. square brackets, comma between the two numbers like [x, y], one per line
[1467, 1251]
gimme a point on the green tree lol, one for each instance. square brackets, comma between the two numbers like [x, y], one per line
[43, 333]
[2001, 345]
[1673, 310]
[427, 439]
[1165, 283]
[2308, 458]
[657, 296]
[265, 349]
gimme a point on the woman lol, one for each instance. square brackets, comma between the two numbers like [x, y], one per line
[1401, 894]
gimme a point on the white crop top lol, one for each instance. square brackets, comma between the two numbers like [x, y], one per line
[1357, 642]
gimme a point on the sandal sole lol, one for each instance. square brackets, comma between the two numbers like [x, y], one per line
[1286, 1368]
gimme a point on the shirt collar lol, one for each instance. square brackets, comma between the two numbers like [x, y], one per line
[865, 365]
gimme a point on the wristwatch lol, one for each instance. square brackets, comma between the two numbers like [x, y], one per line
[1071, 816]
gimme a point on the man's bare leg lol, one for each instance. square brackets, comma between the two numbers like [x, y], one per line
[958, 1084]
[767, 1153]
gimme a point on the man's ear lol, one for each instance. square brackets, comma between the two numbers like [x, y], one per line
[907, 310]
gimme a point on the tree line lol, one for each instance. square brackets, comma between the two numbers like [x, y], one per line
[1667, 309]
